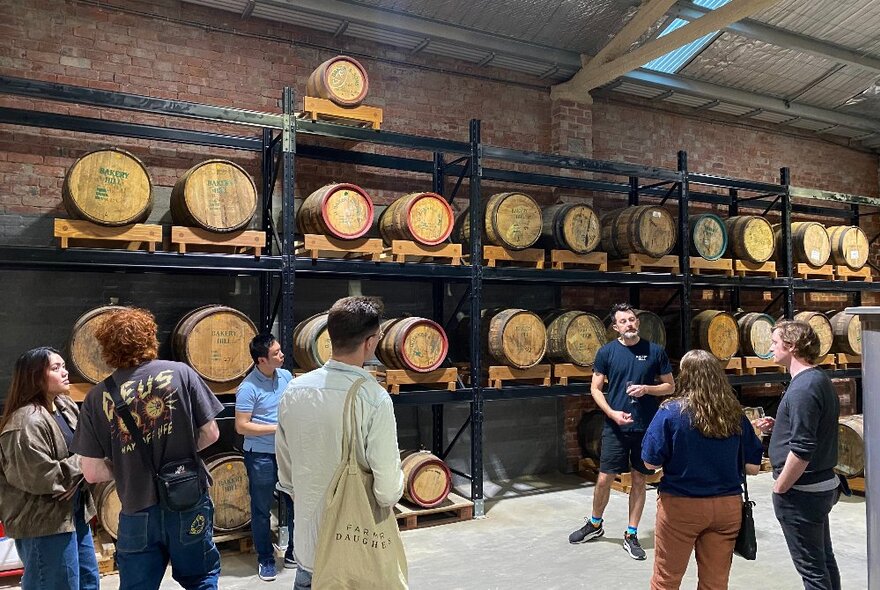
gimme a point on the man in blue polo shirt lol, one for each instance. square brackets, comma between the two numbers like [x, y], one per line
[256, 418]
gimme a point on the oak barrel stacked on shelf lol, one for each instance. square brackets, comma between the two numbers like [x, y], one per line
[85, 352]
[415, 344]
[821, 326]
[513, 221]
[809, 243]
[108, 506]
[570, 226]
[215, 195]
[849, 246]
[342, 80]
[751, 238]
[311, 343]
[427, 479]
[229, 492]
[214, 340]
[573, 337]
[638, 230]
[341, 210]
[851, 446]
[651, 328]
[715, 331]
[425, 218]
[846, 332]
[755, 331]
[513, 337]
[708, 237]
[108, 187]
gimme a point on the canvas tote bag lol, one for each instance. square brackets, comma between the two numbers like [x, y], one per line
[359, 545]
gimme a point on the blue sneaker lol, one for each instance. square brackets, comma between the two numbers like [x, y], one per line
[289, 561]
[266, 572]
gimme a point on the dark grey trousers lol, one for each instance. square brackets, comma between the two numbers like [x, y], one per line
[804, 520]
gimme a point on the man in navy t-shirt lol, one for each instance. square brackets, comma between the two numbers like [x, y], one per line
[632, 367]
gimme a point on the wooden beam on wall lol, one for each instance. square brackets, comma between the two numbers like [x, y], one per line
[649, 13]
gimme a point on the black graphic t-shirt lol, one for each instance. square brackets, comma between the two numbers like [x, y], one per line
[169, 401]
[639, 364]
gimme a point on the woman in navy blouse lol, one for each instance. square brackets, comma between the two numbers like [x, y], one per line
[696, 437]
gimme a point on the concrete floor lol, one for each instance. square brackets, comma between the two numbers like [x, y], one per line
[523, 543]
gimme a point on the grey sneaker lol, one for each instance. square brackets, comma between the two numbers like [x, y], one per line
[587, 532]
[632, 546]
[289, 561]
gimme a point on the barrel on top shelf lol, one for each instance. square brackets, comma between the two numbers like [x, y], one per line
[214, 340]
[755, 331]
[809, 243]
[573, 336]
[751, 238]
[851, 446]
[638, 230]
[216, 195]
[849, 246]
[229, 492]
[426, 478]
[108, 187]
[847, 333]
[85, 352]
[715, 331]
[651, 328]
[512, 220]
[571, 226]
[416, 344]
[822, 326]
[708, 236]
[425, 218]
[341, 79]
[311, 343]
[339, 209]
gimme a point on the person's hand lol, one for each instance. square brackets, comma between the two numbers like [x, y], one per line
[621, 418]
[765, 425]
[637, 390]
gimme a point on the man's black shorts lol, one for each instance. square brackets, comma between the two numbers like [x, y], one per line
[622, 451]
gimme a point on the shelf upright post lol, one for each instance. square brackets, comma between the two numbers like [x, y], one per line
[857, 302]
[684, 260]
[266, 278]
[438, 185]
[733, 211]
[788, 266]
[439, 180]
[476, 243]
[288, 224]
[635, 298]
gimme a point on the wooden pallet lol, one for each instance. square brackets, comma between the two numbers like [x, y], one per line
[394, 378]
[643, 263]
[845, 273]
[805, 271]
[105, 552]
[742, 268]
[201, 240]
[453, 509]
[235, 542]
[589, 469]
[593, 260]
[829, 361]
[857, 485]
[136, 236]
[564, 372]
[319, 246]
[848, 361]
[533, 257]
[732, 366]
[539, 374]
[701, 266]
[409, 251]
[315, 108]
[752, 365]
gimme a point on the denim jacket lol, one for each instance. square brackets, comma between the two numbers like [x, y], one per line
[34, 465]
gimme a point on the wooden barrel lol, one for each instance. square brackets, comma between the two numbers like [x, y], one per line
[229, 492]
[571, 226]
[215, 341]
[341, 210]
[425, 218]
[216, 195]
[849, 246]
[516, 337]
[417, 344]
[851, 446]
[513, 221]
[651, 328]
[822, 326]
[715, 331]
[751, 238]
[85, 352]
[108, 187]
[809, 243]
[847, 333]
[108, 506]
[426, 478]
[638, 230]
[341, 79]
[573, 337]
[708, 236]
[589, 433]
[755, 331]
[311, 343]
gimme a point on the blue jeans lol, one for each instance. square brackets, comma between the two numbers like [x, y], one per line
[262, 470]
[149, 538]
[65, 561]
[303, 580]
[803, 517]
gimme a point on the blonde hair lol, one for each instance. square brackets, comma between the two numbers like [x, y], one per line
[706, 396]
[801, 337]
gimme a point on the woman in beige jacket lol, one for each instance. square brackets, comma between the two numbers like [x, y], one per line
[45, 504]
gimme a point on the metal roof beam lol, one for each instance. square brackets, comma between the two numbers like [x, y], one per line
[781, 38]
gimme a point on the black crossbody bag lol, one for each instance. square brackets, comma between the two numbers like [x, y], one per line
[746, 541]
[178, 483]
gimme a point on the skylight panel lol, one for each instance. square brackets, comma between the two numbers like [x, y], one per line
[673, 61]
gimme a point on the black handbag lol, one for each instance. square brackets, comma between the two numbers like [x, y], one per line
[179, 484]
[746, 545]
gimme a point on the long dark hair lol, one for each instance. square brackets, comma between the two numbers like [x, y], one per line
[28, 382]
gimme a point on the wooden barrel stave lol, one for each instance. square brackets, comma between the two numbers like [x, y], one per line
[751, 238]
[638, 230]
[85, 352]
[215, 341]
[571, 226]
[311, 343]
[109, 187]
[416, 344]
[851, 446]
[716, 332]
[425, 218]
[708, 236]
[849, 246]
[342, 80]
[755, 330]
[847, 333]
[341, 210]
[822, 326]
[427, 479]
[215, 195]
[573, 337]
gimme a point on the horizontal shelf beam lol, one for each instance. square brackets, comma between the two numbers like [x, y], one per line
[737, 183]
[306, 267]
[581, 277]
[360, 134]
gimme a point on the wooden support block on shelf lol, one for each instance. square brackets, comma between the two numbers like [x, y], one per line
[805, 271]
[732, 366]
[90, 235]
[78, 391]
[394, 378]
[829, 361]
[752, 365]
[589, 469]
[530, 256]
[643, 263]
[400, 250]
[701, 266]
[498, 374]
[845, 273]
[319, 246]
[105, 552]
[237, 242]
[857, 485]
[240, 541]
[593, 260]
[453, 509]
[315, 108]
[742, 268]
[565, 371]
[848, 361]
